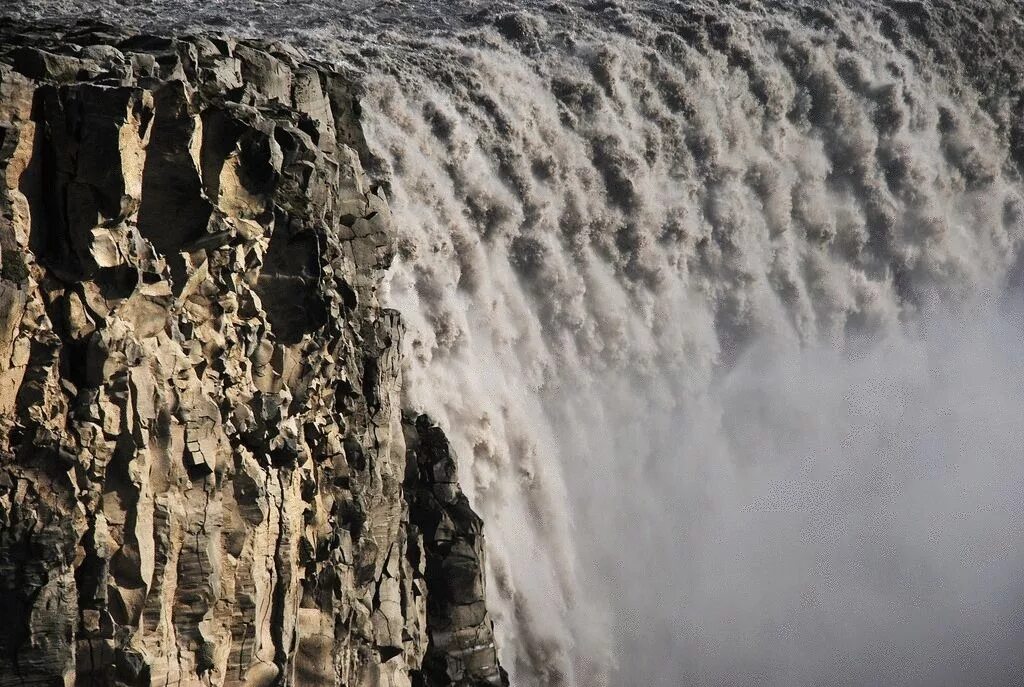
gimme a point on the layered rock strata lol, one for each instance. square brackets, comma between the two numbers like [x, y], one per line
[204, 476]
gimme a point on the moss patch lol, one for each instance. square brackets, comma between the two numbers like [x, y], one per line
[12, 265]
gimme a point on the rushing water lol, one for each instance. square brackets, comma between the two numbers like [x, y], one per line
[719, 305]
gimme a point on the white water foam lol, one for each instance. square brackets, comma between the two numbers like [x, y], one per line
[721, 340]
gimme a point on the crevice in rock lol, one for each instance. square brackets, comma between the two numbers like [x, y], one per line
[173, 210]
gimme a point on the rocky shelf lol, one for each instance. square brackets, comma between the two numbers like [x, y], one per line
[206, 477]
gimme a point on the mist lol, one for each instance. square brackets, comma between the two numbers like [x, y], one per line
[815, 516]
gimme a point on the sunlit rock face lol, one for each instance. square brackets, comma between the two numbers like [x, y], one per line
[203, 469]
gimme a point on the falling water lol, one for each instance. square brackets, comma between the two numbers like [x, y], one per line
[716, 317]
[718, 304]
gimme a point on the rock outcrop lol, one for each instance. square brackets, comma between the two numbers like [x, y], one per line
[446, 542]
[204, 477]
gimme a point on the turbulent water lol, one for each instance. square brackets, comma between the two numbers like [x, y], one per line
[719, 305]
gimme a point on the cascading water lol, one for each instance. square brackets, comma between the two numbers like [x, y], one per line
[717, 303]
[707, 317]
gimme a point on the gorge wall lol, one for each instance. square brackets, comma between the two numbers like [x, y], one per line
[205, 473]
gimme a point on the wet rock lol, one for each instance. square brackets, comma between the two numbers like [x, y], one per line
[448, 537]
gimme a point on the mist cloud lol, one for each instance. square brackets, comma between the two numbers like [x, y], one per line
[818, 517]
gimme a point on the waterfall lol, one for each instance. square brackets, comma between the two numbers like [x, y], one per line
[718, 324]
[718, 304]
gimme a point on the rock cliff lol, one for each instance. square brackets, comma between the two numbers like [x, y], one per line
[205, 474]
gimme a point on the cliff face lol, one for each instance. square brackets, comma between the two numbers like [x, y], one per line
[204, 475]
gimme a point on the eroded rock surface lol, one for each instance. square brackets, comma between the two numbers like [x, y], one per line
[204, 475]
[446, 539]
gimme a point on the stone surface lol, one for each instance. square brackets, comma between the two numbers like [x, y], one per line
[204, 469]
[446, 543]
